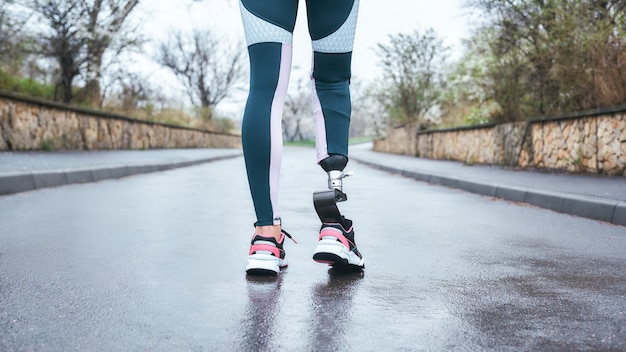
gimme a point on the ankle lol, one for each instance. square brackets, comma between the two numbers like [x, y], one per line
[268, 231]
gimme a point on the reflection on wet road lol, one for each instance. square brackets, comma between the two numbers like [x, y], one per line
[157, 262]
[258, 323]
[331, 308]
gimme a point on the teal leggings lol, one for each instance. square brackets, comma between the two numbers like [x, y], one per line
[268, 26]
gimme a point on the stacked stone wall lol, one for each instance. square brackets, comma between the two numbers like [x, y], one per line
[29, 124]
[473, 146]
[400, 140]
[591, 142]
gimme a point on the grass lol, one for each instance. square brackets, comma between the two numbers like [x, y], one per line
[25, 86]
[357, 140]
[303, 143]
[47, 145]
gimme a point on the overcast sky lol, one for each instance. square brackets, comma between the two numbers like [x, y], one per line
[377, 20]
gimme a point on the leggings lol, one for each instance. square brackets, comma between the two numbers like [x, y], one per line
[268, 26]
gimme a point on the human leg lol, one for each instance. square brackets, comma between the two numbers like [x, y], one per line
[268, 26]
[332, 25]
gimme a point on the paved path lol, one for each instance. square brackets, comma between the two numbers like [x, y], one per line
[592, 196]
[26, 171]
[155, 262]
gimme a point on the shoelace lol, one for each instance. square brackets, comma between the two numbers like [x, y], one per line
[288, 236]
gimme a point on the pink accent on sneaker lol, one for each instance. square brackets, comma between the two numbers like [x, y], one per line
[333, 232]
[265, 247]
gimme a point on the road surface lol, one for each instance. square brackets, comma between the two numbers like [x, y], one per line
[156, 262]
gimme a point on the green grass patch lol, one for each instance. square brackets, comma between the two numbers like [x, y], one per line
[47, 145]
[357, 140]
[303, 143]
[311, 142]
[25, 86]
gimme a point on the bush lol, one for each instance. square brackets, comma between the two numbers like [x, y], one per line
[25, 86]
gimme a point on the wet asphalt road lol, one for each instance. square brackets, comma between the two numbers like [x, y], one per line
[156, 262]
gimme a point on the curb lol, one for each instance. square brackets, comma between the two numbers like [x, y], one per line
[611, 211]
[22, 182]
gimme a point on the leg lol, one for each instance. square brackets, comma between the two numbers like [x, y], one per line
[332, 25]
[268, 26]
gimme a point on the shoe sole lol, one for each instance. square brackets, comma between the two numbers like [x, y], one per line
[261, 272]
[264, 264]
[335, 254]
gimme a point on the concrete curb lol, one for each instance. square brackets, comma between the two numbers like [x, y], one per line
[612, 211]
[28, 181]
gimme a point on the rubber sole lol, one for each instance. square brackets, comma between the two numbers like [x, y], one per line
[261, 272]
[335, 254]
[264, 264]
[337, 262]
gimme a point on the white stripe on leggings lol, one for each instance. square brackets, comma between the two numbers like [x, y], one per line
[276, 133]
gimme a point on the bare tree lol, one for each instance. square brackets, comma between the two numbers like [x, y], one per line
[62, 41]
[78, 34]
[208, 69]
[105, 21]
[365, 114]
[412, 69]
[297, 112]
[13, 38]
[127, 92]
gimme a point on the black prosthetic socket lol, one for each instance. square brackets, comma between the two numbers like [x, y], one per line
[334, 162]
[325, 202]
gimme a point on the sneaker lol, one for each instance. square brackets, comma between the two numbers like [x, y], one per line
[267, 255]
[336, 247]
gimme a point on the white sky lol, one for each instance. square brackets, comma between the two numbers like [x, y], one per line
[377, 20]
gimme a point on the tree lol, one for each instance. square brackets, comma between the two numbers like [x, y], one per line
[297, 112]
[128, 92]
[366, 116]
[63, 41]
[521, 55]
[13, 39]
[549, 57]
[78, 34]
[208, 69]
[105, 21]
[464, 95]
[411, 83]
[592, 56]
[372, 108]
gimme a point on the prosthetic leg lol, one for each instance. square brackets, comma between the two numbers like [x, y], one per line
[336, 246]
[325, 202]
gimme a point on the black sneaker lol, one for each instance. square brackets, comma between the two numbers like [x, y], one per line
[267, 255]
[336, 247]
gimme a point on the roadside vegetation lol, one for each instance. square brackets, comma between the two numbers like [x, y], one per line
[523, 59]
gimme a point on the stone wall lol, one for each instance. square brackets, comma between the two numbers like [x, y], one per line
[30, 124]
[401, 140]
[591, 141]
